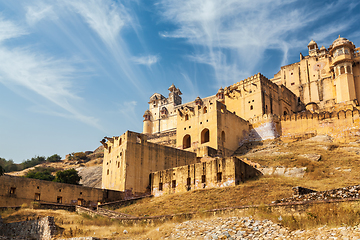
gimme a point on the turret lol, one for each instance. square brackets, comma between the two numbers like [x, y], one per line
[147, 125]
[313, 48]
[342, 60]
[174, 95]
[220, 95]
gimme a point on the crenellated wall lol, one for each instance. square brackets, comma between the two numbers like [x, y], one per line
[342, 125]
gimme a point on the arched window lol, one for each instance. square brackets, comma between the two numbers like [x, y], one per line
[186, 117]
[223, 136]
[205, 110]
[342, 70]
[348, 70]
[186, 141]
[285, 113]
[205, 135]
[222, 109]
[251, 107]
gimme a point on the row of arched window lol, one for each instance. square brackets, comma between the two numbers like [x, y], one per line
[205, 137]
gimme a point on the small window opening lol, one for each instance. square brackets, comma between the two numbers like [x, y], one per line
[173, 184]
[37, 197]
[200, 122]
[203, 178]
[80, 193]
[342, 70]
[186, 117]
[222, 109]
[118, 164]
[108, 172]
[188, 181]
[205, 136]
[110, 149]
[292, 73]
[37, 187]
[119, 141]
[160, 186]
[138, 139]
[219, 176]
[205, 110]
[251, 107]
[12, 191]
[59, 199]
[60, 190]
[186, 141]
[292, 83]
[80, 201]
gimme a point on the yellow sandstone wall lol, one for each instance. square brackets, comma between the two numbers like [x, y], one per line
[221, 172]
[342, 126]
[15, 191]
[130, 158]
[225, 129]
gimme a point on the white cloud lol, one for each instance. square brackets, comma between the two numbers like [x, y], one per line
[234, 34]
[146, 60]
[10, 30]
[38, 12]
[46, 76]
[105, 17]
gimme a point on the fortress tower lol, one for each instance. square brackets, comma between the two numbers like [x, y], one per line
[161, 115]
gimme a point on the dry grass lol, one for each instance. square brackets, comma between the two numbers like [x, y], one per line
[74, 225]
[261, 191]
[321, 175]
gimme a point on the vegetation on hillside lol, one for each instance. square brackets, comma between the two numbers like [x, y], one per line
[10, 166]
[70, 176]
[41, 173]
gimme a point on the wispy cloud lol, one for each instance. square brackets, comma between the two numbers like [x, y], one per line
[107, 19]
[146, 60]
[9, 29]
[234, 34]
[46, 76]
[38, 12]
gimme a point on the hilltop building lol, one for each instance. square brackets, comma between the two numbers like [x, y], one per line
[317, 95]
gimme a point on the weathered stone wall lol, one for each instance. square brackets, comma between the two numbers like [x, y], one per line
[43, 229]
[220, 172]
[15, 191]
[130, 158]
[264, 127]
[164, 138]
[342, 126]
[351, 192]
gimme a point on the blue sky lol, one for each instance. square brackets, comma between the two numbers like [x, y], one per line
[74, 71]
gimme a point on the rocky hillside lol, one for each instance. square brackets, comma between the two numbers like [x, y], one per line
[88, 164]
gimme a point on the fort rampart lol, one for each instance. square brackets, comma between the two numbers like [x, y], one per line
[43, 228]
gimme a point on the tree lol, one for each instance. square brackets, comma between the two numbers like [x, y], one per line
[41, 173]
[54, 158]
[1, 170]
[70, 176]
[33, 162]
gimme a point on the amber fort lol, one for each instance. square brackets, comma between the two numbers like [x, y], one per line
[188, 146]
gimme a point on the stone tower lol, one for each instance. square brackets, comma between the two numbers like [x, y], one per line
[342, 51]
